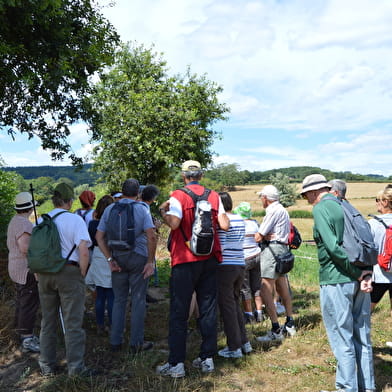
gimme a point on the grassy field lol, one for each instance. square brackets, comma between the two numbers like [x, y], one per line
[302, 363]
[361, 195]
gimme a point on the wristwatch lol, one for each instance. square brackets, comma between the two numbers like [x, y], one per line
[109, 259]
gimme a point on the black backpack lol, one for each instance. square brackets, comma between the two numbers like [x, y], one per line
[358, 240]
[120, 227]
[202, 237]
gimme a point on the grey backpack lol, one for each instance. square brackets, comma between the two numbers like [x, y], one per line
[120, 227]
[358, 240]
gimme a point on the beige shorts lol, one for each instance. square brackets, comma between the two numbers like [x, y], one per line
[267, 260]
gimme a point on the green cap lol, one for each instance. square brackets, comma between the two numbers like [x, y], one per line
[64, 191]
[244, 209]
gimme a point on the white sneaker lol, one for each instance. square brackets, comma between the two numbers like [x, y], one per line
[280, 309]
[271, 337]
[389, 344]
[246, 348]
[289, 331]
[226, 353]
[177, 371]
[206, 365]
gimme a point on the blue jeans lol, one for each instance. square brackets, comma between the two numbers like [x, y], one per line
[104, 299]
[346, 316]
[199, 276]
[130, 278]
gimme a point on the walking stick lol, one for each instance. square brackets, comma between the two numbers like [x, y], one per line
[32, 198]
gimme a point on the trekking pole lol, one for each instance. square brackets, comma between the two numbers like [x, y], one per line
[61, 320]
[32, 199]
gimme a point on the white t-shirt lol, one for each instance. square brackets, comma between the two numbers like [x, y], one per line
[72, 230]
[378, 231]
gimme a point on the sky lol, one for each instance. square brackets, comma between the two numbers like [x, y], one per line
[308, 82]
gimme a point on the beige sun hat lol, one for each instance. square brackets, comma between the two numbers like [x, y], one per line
[23, 201]
[314, 182]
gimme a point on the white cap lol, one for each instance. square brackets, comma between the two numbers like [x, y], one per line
[270, 192]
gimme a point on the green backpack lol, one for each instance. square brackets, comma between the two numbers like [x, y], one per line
[44, 253]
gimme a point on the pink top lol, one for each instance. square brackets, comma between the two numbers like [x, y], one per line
[17, 261]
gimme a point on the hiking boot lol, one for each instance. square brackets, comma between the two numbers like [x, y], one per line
[176, 371]
[271, 336]
[249, 318]
[280, 309]
[30, 344]
[47, 371]
[144, 347]
[226, 353]
[289, 331]
[206, 365]
[246, 348]
[259, 316]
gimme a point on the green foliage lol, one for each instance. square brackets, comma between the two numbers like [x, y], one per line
[149, 122]
[228, 175]
[298, 173]
[301, 214]
[288, 193]
[8, 191]
[48, 51]
[78, 175]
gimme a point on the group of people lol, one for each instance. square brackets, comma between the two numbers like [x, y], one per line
[217, 279]
[88, 260]
[240, 267]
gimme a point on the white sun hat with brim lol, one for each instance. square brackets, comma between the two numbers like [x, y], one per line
[314, 182]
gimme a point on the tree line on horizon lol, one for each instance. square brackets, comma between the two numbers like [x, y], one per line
[228, 175]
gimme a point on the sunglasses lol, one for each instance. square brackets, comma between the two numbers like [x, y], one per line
[377, 200]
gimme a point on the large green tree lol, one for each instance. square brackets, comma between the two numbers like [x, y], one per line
[48, 51]
[150, 121]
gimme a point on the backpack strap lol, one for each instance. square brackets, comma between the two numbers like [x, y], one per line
[53, 218]
[195, 198]
[379, 220]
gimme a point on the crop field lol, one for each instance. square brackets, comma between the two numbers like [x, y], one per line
[361, 195]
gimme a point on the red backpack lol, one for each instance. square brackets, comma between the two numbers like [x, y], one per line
[295, 239]
[385, 258]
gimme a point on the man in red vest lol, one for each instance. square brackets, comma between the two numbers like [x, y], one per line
[191, 273]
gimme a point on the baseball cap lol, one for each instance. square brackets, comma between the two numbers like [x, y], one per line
[190, 166]
[270, 192]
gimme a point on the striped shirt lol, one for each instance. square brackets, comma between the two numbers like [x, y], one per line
[232, 241]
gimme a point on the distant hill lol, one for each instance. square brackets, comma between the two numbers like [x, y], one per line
[298, 173]
[85, 175]
[78, 176]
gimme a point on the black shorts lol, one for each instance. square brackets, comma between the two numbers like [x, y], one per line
[379, 290]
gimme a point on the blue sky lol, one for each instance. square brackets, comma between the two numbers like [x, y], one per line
[307, 82]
